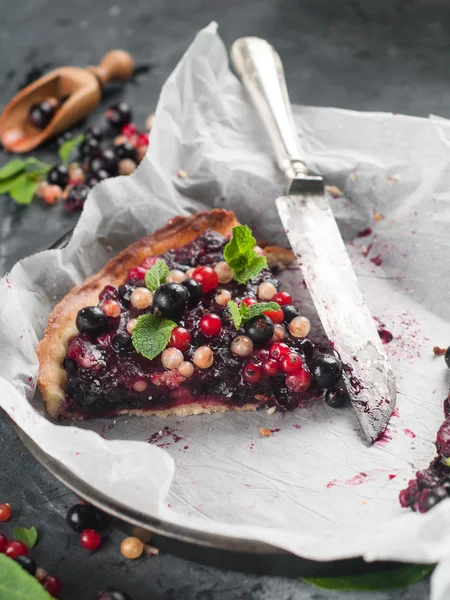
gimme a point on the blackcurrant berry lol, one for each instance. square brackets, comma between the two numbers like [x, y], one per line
[125, 150]
[171, 299]
[26, 563]
[85, 516]
[114, 595]
[91, 320]
[58, 175]
[104, 159]
[259, 329]
[119, 114]
[41, 114]
[76, 197]
[194, 289]
[290, 312]
[336, 397]
[327, 370]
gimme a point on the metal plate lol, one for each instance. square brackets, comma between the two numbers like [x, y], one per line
[215, 550]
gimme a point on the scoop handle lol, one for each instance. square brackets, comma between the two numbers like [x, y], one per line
[115, 65]
[260, 69]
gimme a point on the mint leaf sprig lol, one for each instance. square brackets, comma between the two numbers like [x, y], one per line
[151, 335]
[241, 256]
[27, 536]
[241, 314]
[156, 275]
[19, 178]
[17, 584]
[66, 149]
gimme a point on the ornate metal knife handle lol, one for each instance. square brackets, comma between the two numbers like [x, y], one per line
[261, 71]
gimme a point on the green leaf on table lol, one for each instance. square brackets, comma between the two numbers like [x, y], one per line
[17, 584]
[151, 335]
[7, 184]
[156, 275]
[14, 167]
[23, 189]
[27, 536]
[66, 149]
[381, 580]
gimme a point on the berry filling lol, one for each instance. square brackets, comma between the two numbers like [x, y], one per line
[207, 359]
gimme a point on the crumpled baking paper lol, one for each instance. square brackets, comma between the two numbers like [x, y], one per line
[312, 487]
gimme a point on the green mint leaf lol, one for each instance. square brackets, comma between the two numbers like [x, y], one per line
[240, 255]
[23, 189]
[151, 335]
[17, 584]
[242, 242]
[235, 313]
[156, 275]
[241, 314]
[381, 580]
[254, 310]
[66, 149]
[7, 184]
[251, 270]
[14, 167]
[27, 536]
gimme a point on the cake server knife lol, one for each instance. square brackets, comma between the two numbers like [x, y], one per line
[315, 239]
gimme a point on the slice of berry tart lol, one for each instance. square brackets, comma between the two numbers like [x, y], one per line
[186, 321]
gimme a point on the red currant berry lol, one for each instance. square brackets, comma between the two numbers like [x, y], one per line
[282, 298]
[129, 129]
[299, 382]
[291, 363]
[211, 324]
[15, 549]
[149, 262]
[271, 367]
[249, 301]
[3, 543]
[207, 277]
[180, 339]
[260, 353]
[279, 349]
[252, 372]
[90, 539]
[142, 140]
[276, 316]
[52, 585]
[136, 274]
[5, 512]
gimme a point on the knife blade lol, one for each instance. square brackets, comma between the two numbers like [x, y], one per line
[317, 243]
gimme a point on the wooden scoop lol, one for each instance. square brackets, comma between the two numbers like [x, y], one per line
[81, 87]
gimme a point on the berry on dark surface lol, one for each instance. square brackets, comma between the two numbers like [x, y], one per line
[443, 439]
[26, 563]
[327, 370]
[41, 114]
[103, 159]
[125, 150]
[85, 516]
[194, 289]
[207, 277]
[101, 174]
[210, 324]
[282, 298]
[94, 132]
[306, 347]
[171, 299]
[89, 146]
[16, 548]
[180, 338]
[91, 320]
[259, 329]
[336, 397]
[90, 539]
[118, 115]
[279, 349]
[289, 312]
[114, 595]
[58, 175]
[291, 363]
[300, 381]
[3, 543]
[64, 137]
[52, 585]
[76, 198]
[447, 357]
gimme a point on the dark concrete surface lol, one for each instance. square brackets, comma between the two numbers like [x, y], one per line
[383, 55]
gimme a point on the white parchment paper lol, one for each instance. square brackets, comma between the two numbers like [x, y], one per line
[313, 487]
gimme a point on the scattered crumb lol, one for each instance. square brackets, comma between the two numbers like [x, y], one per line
[363, 501]
[181, 174]
[395, 177]
[334, 191]
[109, 248]
[265, 432]
[151, 551]
[352, 176]
[81, 250]
[434, 391]
[377, 217]
[271, 410]
[437, 351]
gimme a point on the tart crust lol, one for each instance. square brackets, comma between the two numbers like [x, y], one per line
[61, 324]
